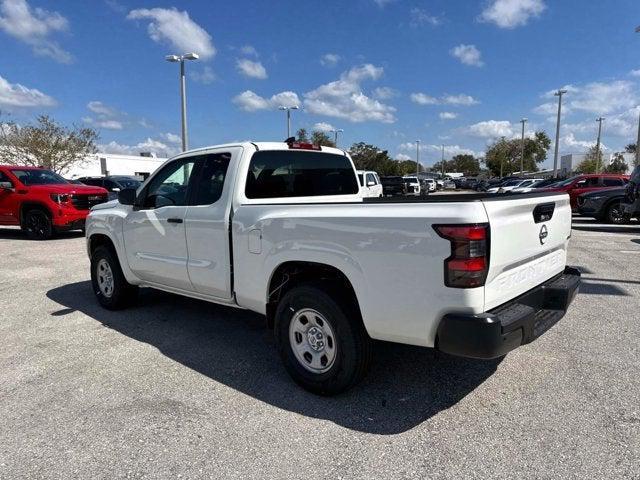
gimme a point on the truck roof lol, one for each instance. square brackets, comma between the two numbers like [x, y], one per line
[262, 146]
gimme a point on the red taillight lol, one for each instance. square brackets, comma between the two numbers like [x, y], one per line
[304, 146]
[468, 264]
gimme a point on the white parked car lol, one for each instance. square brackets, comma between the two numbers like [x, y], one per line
[431, 184]
[512, 184]
[281, 229]
[524, 188]
[370, 185]
[413, 185]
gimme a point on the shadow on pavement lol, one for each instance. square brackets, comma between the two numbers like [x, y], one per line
[590, 225]
[405, 387]
[17, 234]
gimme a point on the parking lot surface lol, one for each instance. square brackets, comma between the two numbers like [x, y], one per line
[178, 387]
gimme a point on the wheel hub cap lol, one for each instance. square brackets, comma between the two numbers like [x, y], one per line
[312, 340]
[105, 278]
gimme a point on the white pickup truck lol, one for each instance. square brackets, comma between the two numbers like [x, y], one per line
[281, 229]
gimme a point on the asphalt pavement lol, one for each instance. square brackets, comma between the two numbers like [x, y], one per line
[178, 388]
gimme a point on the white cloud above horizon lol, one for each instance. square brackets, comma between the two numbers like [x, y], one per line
[468, 55]
[510, 14]
[251, 69]
[176, 28]
[447, 99]
[16, 95]
[35, 28]
[330, 59]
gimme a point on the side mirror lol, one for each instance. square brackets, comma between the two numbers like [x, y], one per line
[370, 184]
[127, 196]
[6, 186]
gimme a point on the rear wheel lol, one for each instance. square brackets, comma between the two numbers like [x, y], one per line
[615, 214]
[37, 225]
[109, 285]
[321, 339]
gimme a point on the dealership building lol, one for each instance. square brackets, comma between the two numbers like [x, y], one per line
[569, 163]
[99, 164]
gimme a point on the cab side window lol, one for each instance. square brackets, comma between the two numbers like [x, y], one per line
[5, 178]
[211, 178]
[169, 188]
[371, 178]
[612, 182]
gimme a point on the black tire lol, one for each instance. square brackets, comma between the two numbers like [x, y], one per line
[122, 293]
[352, 344]
[37, 224]
[615, 214]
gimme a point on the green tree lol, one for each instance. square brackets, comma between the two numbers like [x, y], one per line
[321, 139]
[370, 157]
[617, 165]
[408, 167]
[592, 161]
[630, 148]
[507, 153]
[463, 162]
[302, 135]
[46, 144]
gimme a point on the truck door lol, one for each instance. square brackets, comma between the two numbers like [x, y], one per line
[8, 202]
[154, 231]
[207, 225]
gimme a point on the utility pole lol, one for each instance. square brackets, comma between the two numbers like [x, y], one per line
[288, 110]
[599, 120]
[183, 95]
[523, 121]
[417, 160]
[558, 94]
[335, 135]
[501, 155]
[442, 162]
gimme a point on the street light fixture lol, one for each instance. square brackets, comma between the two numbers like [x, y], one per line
[288, 110]
[181, 59]
[335, 135]
[523, 121]
[558, 94]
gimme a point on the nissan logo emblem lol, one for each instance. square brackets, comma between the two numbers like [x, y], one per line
[543, 234]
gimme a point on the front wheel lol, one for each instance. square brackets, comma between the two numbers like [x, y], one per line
[616, 215]
[37, 224]
[109, 285]
[321, 339]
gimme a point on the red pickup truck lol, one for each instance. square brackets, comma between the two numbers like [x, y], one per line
[42, 202]
[589, 182]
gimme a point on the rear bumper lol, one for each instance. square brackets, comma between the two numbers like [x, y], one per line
[518, 322]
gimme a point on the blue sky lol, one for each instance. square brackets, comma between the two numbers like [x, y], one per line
[388, 72]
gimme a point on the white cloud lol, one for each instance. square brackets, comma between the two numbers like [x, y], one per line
[460, 99]
[491, 129]
[624, 124]
[101, 109]
[251, 69]
[177, 29]
[457, 100]
[161, 149]
[172, 137]
[206, 76]
[249, 50]
[603, 98]
[423, 99]
[550, 108]
[447, 115]
[17, 95]
[383, 3]
[635, 73]
[569, 142]
[330, 59]
[344, 98]
[323, 127]
[384, 93]
[251, 102]
[420, 17]
[402, 157]
[512, 13]
[34, 27]
[468, 54]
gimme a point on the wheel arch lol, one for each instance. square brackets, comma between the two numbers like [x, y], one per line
[295, 272]
[33, 205]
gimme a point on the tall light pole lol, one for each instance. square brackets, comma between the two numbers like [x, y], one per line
[288, 110]
[501, 155]
[183, 95]
[442, 161]
[599, 120]
[335, 135]
[417, 160]
[558, 94]
[638, 142]
[523, 121]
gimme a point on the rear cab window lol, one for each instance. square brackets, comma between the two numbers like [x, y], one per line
[298, 174]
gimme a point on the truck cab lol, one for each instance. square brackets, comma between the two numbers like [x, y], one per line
[370, 184]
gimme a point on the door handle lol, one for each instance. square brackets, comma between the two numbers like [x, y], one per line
[174, 220]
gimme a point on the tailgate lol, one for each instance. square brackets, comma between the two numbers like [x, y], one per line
[528, 243]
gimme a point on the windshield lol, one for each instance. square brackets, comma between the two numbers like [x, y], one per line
[410, 179]
[38, 176]
[512, 183]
